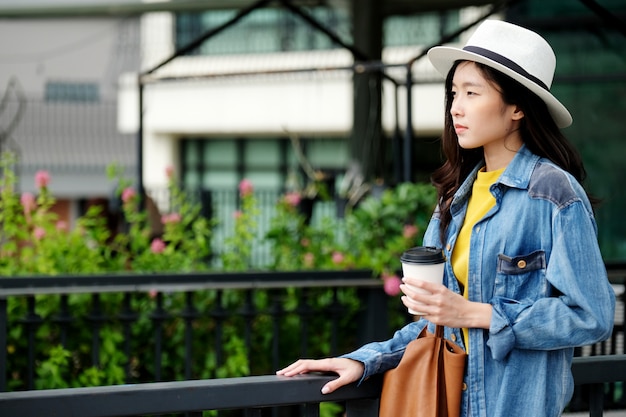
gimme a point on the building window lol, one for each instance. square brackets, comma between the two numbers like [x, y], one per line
[278, 30]
[262, 31]
[270, 164]
[62, 91]
[419, 29]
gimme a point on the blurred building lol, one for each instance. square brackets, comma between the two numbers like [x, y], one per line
[275, 99]
[58, 83]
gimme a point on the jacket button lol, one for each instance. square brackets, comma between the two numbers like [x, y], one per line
[453, 337]
[448, 247]
[464, 387]
[521, 264]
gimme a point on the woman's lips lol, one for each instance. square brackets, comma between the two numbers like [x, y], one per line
[459, 128]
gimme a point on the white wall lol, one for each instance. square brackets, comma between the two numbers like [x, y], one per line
[269, 105]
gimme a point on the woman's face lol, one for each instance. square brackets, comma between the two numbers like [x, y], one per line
[480, 116]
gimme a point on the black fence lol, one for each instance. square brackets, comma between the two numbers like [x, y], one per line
[252, 394]
[225, 305]
[204, 298]
[261, 392]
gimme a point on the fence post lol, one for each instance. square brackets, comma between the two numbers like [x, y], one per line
[3, 344]
[596, 400]
[366, 407]
[375, 319]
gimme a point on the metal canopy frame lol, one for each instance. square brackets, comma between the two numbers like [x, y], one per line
[83, 8]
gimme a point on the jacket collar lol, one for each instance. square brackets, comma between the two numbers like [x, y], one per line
[516, 175]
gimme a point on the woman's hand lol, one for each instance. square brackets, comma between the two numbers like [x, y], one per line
[444, 307]
[348, 370]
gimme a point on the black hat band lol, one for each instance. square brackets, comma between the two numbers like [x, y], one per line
[507, 63]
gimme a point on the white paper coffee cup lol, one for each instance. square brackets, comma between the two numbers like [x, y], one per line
[425, 263]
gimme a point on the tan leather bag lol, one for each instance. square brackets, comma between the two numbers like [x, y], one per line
[428, 381]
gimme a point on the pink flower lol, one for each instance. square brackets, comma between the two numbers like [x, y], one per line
[237, 214]
[128, 194]
[42, 179]
[304, 242]
[61, 226]
[293, 199]
[245, 187]
[28, 202]
[391, 284]
[39, 233]
[338, 257]
[157, 246]
[308, 260]
[170, 218]
[153, 293]
[410, 230]
[169, 172]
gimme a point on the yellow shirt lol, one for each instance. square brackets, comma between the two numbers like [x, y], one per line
[480, 202]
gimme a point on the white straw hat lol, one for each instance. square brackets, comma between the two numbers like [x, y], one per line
[517, 52]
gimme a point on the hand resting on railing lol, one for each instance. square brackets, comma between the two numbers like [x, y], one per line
[348, 370]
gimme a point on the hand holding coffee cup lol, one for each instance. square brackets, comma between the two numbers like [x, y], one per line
[424, 263]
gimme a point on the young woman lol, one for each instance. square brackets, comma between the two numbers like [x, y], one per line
[525, 282]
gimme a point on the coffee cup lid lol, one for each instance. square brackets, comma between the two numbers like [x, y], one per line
[423, 255]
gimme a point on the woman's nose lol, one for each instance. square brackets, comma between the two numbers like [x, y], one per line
[455, 109]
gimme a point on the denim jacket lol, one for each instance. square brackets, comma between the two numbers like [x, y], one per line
[535, 258]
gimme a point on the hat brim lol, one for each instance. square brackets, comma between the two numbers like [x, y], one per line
[443, 57]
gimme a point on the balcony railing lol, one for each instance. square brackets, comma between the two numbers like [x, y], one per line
[189, 302]
[592, 373]
[253, 394]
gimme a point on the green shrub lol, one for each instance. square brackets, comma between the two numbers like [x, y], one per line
[34, 242]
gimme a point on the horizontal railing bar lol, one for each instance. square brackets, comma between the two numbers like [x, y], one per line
[599, 369]
[230, 393]
[181, 396]
[74, 284]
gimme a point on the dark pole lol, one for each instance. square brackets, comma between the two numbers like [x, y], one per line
[4, 318]
[396, 144]
[140, 188]
[408, 133]
[366, 141]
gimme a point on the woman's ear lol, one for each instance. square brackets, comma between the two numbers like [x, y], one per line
[518, 113]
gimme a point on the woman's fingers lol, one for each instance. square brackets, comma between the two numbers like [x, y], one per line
[298, 367]
[348, 370]
[437, 303]
[303, 366]
[335, 384]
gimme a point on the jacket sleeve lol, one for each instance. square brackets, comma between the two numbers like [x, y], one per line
[582, 307]
[379, 357]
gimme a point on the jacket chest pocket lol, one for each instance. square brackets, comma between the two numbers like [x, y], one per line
[521, 277]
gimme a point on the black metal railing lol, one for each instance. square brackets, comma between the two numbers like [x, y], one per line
[204, 299]
[371, 314]
[253, 394]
